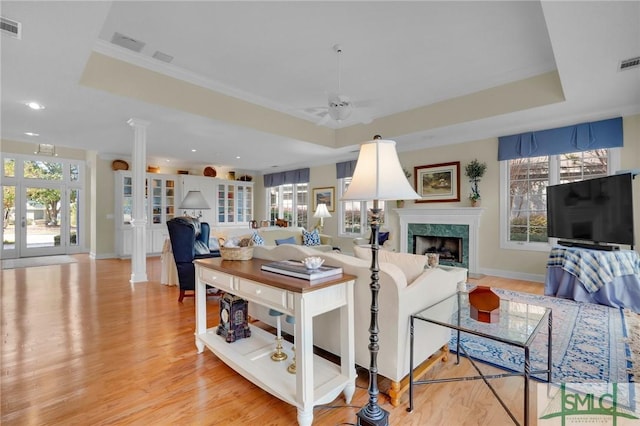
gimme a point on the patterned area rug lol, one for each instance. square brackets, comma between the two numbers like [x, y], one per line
[30, 262]
[590, 342]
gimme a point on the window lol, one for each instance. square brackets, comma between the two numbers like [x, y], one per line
[289, 202]
[355, 215]
[524, 189]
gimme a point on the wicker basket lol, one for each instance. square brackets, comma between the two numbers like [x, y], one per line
[235, 253]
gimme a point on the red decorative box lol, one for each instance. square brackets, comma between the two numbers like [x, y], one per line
[484, 305]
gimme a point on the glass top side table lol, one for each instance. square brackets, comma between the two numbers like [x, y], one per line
[518, 325]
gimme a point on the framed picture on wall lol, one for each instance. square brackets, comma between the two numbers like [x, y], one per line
[438, 182]
[325, 195]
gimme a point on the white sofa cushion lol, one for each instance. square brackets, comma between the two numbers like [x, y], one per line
[411, 264]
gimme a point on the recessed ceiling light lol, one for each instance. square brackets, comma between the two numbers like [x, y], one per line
[35, 105]
[31, 134]
[237, 157]
[193, 150]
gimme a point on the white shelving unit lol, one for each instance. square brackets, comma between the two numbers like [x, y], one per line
[161, 194]
[230, 202]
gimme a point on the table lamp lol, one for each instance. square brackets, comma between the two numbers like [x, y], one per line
[378, 176]
[194, 201]
[321, 212]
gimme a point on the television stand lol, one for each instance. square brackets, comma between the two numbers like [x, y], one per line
[591, 246]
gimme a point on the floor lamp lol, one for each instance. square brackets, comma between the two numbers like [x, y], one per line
[378, 176]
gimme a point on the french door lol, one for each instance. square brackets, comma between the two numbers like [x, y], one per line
[40, 214]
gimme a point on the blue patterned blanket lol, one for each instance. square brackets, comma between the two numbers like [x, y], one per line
[595, 268]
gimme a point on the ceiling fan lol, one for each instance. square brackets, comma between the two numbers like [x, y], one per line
[339, 107]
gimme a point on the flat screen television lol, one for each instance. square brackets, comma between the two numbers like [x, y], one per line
[598, 210]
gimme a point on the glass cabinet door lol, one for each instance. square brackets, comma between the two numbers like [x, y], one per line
[127, 199]
[248, 203]
[170, 201]
[244, 204]
[230, 203]
[221, 203]
[241, 204]
[156, 201]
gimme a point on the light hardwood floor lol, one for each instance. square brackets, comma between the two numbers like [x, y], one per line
[83, 346]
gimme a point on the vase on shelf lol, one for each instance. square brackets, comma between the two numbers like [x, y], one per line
[399, 204]
[475, 202]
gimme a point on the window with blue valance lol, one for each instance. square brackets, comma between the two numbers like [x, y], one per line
[579, 137]
[345, 169]
[286, 178]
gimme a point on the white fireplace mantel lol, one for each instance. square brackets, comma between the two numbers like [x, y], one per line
[446, 216]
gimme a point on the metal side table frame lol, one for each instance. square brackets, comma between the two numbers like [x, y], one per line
[453, 312]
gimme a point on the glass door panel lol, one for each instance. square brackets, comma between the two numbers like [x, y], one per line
[74, 225]
[41, 222]
[8, 221]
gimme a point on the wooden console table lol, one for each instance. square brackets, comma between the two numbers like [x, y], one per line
[317, 381]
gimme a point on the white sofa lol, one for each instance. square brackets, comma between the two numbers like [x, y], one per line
[269, 235]
[398, 299]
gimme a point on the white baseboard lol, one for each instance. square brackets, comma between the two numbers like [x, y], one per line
[93, 255]
[513, 275]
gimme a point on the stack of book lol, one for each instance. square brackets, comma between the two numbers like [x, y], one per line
[294, 268]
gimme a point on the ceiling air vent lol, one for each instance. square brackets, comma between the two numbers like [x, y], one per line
[127, 42]
[10, 28]
[163, 57]
[629, 63]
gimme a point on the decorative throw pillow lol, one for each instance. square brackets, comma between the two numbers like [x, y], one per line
[290, 240]
[257, 239]
[411, 264]
[310, 238]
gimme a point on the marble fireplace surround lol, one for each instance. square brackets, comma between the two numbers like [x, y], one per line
[444, 216]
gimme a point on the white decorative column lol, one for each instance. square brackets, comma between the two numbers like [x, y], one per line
[139, 217]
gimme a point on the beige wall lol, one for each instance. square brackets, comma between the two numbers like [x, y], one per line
[492, 259]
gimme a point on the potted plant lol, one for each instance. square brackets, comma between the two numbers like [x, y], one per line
[474, 171]
[407, 174]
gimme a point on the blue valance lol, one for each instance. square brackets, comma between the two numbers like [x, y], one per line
[579, 137]
[287, 178]
[345, 169]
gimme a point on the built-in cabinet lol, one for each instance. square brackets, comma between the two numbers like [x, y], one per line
[230, 204]
[234, 203]
[160, 198]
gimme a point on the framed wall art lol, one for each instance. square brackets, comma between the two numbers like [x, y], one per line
[325, 195]
[438, 182]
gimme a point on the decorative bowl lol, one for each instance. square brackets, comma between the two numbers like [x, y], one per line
[313, 262]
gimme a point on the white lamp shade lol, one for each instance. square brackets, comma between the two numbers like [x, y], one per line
[321, 211]
[194, 201]
[379, 175]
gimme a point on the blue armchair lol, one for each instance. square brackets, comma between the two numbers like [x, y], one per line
[189, 241]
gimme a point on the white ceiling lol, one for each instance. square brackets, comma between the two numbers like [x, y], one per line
[397, 56]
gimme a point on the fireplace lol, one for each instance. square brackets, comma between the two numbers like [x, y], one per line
[459, 223]
[449, 249]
